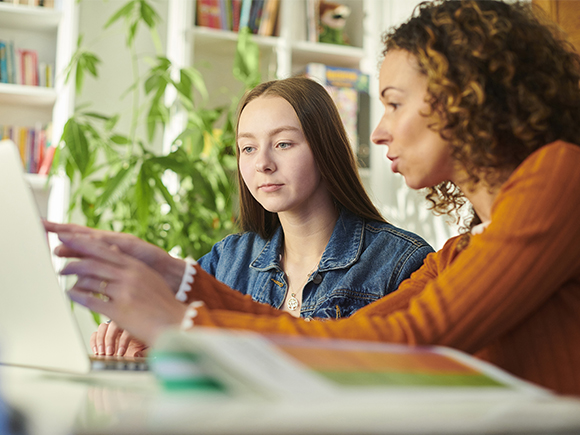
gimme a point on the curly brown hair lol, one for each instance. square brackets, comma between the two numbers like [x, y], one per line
[502, 80]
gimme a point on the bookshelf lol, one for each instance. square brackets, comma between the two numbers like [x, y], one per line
[51, 32]
[286, 53]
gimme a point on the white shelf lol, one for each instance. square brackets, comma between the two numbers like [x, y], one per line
[305, 52]
[37, 182]
[28, 17]
[207, 34]
[27, 95]
[52, 33]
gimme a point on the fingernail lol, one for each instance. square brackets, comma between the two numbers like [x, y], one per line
[95, 350]
[101, 350]
[110, 350]
[121, 351]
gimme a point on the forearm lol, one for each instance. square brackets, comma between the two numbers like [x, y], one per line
[218, 296]
[172, 269]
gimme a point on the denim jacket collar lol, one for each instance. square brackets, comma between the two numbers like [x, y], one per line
[342, 250]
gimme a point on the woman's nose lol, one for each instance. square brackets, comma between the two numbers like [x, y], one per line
[381, 135]
[264, 162]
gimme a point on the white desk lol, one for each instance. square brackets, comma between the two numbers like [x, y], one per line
[126, 403]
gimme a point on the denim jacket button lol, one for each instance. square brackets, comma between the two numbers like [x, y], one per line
[317, 279]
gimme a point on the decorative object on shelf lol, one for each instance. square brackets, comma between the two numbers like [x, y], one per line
[119, 183]
[332, 21]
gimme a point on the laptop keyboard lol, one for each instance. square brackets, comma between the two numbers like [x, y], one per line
[102, 362]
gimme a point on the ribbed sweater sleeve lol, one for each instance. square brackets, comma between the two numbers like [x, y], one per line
[516, 283]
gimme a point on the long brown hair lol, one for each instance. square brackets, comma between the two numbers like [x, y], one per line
[330, 146]
[502, 81]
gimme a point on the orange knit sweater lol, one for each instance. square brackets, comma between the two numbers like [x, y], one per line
[512, 297]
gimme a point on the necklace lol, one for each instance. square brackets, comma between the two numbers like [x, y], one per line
[292, 303]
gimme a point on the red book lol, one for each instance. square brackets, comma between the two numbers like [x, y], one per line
[29, 67]
[236, 11]
[47, 160]
[208, 14]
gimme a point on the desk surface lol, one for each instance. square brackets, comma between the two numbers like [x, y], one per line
[135, 403]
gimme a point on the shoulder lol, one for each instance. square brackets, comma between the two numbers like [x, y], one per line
[445, 256]
[231, 246]
[384, 231]
[556, 155]
[240, 241]
[548, 174]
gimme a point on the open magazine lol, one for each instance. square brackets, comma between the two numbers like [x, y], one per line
[245, 362]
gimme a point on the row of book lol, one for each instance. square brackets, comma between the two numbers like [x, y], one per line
[38, 3]
[261, 16]
[34, 144]
[349, 89]
[21, 67]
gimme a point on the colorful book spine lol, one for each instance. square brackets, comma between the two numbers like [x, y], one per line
[236, 12]
[269, 18]
[245, 13]
[256, 15]
[208, 14]
[225, 14]
[338, 76]
[3, 63]
[11, 62]
[312, 20]
[34, 146]
[29, 67]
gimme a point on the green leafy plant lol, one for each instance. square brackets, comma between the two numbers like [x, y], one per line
[182, 200]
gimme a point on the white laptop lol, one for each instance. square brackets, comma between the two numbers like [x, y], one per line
[37, 326]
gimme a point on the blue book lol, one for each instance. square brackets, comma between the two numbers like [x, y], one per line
[256, 15]
[245, 13]
[3, 62]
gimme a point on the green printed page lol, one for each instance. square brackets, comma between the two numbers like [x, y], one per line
[365, 364]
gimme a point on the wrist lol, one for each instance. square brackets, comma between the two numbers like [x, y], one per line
[186, 280]
[173, 271]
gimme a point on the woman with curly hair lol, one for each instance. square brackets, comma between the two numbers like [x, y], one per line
[482, 103]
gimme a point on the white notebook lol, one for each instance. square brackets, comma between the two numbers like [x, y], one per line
[37, 325]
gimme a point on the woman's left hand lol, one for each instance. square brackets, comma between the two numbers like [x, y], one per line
[121, 287]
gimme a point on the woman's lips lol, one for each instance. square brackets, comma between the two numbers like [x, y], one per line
[270, 187]
[394, 163]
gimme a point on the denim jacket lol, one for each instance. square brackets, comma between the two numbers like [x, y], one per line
[363, 261]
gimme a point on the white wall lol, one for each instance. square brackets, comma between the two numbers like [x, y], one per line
[115, 71]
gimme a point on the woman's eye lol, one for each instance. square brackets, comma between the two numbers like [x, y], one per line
[284, 145]
[394, 106]
[247, 149]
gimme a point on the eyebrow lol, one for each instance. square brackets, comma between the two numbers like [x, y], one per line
[389, 88]
[273, 132]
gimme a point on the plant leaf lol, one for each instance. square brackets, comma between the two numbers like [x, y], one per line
[120, 139]
[143, 196]
[124, 11]
[74, 136]
[148, 14]
[247, 59]
[114, 188]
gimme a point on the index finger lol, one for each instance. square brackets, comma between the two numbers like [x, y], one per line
[87, 246]
[55, 227]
